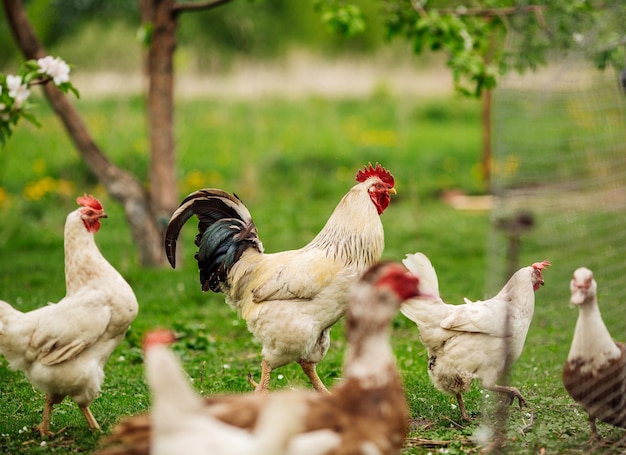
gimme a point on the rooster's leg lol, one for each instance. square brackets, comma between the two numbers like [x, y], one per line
[459, 399]
[91, 420]
[309, 370]
[512, 393]
[264, 384]
[44, 426]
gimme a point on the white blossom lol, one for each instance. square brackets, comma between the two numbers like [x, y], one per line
[17, 90]
[56, 68]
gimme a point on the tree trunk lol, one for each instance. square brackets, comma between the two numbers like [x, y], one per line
[163, 192]
[486, 121]
[122, 186]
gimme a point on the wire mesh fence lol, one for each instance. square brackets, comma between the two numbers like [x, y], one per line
[558, 174]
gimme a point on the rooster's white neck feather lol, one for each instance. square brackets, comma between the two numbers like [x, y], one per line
[359, 243]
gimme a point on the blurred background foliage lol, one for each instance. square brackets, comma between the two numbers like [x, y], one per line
[92, 32]
[480, 39]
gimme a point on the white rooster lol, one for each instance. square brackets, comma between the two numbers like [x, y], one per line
[475, 340]
[595, 372]
[181, 426]
[62, 347]
[289, 299]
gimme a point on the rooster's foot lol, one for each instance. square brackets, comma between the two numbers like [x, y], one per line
[251, 381]
[258, 386]
[311, 372]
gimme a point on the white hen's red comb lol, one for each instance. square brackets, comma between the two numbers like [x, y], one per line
[87, 200]
[158, 337]
[541, 265]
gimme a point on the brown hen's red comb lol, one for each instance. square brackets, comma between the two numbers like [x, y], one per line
[541, 265]
[377, 171]
[87, 200]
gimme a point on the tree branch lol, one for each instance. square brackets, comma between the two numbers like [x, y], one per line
[483, 12]
[487, 13]
[197, 6]
[121, 185]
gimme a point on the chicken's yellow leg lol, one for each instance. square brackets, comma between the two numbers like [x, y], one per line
[311, 372]
[264, 384]
[91, 420]
[44, 426]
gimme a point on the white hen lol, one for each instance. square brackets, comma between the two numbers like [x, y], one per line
[595, 372]
[181, 424]
[62, 347]
[475, 340]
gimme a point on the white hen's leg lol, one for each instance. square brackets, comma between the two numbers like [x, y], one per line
[44, 426]
[311, 372]
[464, 414]
[91, 420]
[512, 393]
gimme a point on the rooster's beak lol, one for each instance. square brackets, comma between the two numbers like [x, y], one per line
[392, 190]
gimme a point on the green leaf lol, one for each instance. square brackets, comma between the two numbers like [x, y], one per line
[31, 118]
[30, 65]
[68, 87]
[346, 20]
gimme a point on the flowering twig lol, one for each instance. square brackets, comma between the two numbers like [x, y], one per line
[15, 90]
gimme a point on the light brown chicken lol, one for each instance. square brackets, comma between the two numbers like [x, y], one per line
[291, 299]
[595, 372]
[62, 347]
[365, 413]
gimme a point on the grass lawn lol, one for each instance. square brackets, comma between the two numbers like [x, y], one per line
[290, 162]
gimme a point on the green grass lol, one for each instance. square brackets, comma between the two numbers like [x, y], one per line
[291, 162]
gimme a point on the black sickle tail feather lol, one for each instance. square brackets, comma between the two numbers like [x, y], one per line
[225, 231]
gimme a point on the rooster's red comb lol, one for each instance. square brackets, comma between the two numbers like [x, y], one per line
[377, 171]
[87, 200]
[541, 265]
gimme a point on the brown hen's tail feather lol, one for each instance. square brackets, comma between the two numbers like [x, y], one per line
[131, 436]
[225, 231]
